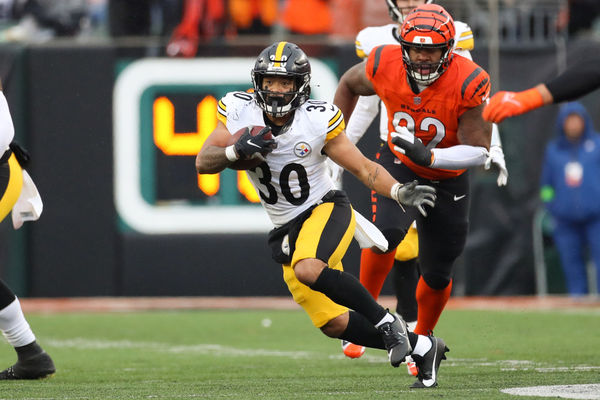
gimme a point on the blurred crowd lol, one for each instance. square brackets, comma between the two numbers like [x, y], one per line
[193, 20]
[190, 22]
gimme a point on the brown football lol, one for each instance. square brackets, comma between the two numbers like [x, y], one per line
[253, 162]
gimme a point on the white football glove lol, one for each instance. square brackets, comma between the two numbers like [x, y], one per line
[335, 172]
[496, 157]
[414, 195]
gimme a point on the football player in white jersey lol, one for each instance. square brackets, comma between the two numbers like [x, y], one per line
[32, 361]
[374, 266]
[314, 223]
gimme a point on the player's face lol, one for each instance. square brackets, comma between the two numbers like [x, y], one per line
[574, 126]
[406, 6]
[276, 88]
[278, 84]
[425, 59]
[409, 3]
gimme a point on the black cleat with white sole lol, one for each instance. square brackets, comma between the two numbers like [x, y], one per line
[429, 364]
[395, 338]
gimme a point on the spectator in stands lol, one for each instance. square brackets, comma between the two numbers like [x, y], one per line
[253, 16]
[307, 17]
[40, 20]
[135, 17]
[571, 189]
[202, 19]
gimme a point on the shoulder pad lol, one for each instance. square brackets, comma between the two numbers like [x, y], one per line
[373, 36]
[326, 115]
[232, 102]
[476, 85]
[464, 36]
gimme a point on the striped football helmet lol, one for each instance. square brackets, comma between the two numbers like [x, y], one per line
[428, 26]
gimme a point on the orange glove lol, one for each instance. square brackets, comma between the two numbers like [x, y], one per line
[508, 104]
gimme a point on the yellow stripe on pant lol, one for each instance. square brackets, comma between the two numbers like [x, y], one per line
[409, 246]
[12, 173]
[338, 223]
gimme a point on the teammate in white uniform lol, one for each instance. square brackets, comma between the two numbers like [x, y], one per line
[375, 268]
[314, 223]
[32, 361]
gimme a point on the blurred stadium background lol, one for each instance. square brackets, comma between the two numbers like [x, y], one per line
[113, 124]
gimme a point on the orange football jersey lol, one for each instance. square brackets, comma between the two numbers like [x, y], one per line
[432, 114]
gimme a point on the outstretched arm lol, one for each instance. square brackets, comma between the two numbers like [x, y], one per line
[473, 133]
[341, 150]
[582, 78]
[509, 104]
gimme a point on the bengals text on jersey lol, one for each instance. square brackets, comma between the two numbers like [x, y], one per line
[433, 113]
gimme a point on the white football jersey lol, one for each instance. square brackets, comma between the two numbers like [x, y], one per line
[7, 131]
[368, 106]
[294, 176]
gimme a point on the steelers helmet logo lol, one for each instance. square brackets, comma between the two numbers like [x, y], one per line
[302, 149]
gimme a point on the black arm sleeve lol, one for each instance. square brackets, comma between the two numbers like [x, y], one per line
[576, 81]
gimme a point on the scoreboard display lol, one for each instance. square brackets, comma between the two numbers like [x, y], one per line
[163, 111]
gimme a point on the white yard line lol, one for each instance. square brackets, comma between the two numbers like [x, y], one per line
[585, 392]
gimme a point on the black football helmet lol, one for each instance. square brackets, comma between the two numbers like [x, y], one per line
[282, 59]
[397, 13]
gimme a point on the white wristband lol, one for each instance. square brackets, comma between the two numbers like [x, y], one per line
[394, 191]
[231, 154]
[394, 194]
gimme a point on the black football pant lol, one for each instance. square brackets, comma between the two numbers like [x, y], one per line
[442, 234]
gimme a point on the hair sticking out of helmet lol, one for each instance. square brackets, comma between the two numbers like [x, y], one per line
[287, 60]
[427, 27]
[398, 11]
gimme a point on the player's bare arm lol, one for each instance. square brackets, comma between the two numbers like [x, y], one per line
[212, 158]
[473, 130]
[342, 151]
[353, 83]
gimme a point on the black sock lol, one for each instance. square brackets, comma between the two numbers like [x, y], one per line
[361, 331]
[28, 351]
[344, 289]
[405, 277]
[6, 295]
[412, 339]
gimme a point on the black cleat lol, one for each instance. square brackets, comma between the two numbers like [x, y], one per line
[395, 338]
[429, 364]
[37, 367]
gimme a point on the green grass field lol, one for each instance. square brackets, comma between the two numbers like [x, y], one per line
[279, 355]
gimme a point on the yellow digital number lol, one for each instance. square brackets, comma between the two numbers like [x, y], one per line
[189, 143]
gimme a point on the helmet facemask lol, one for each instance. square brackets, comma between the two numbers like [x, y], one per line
[279, 104]
[426, 73]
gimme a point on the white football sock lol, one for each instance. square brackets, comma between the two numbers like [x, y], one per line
[423, 345]
[13, 325]
[388, 318]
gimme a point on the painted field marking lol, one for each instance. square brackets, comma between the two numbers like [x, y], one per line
[585, 392]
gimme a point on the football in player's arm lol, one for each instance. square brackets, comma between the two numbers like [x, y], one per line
[313, 223]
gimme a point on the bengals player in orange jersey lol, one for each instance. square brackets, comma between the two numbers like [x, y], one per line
[434, 100]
